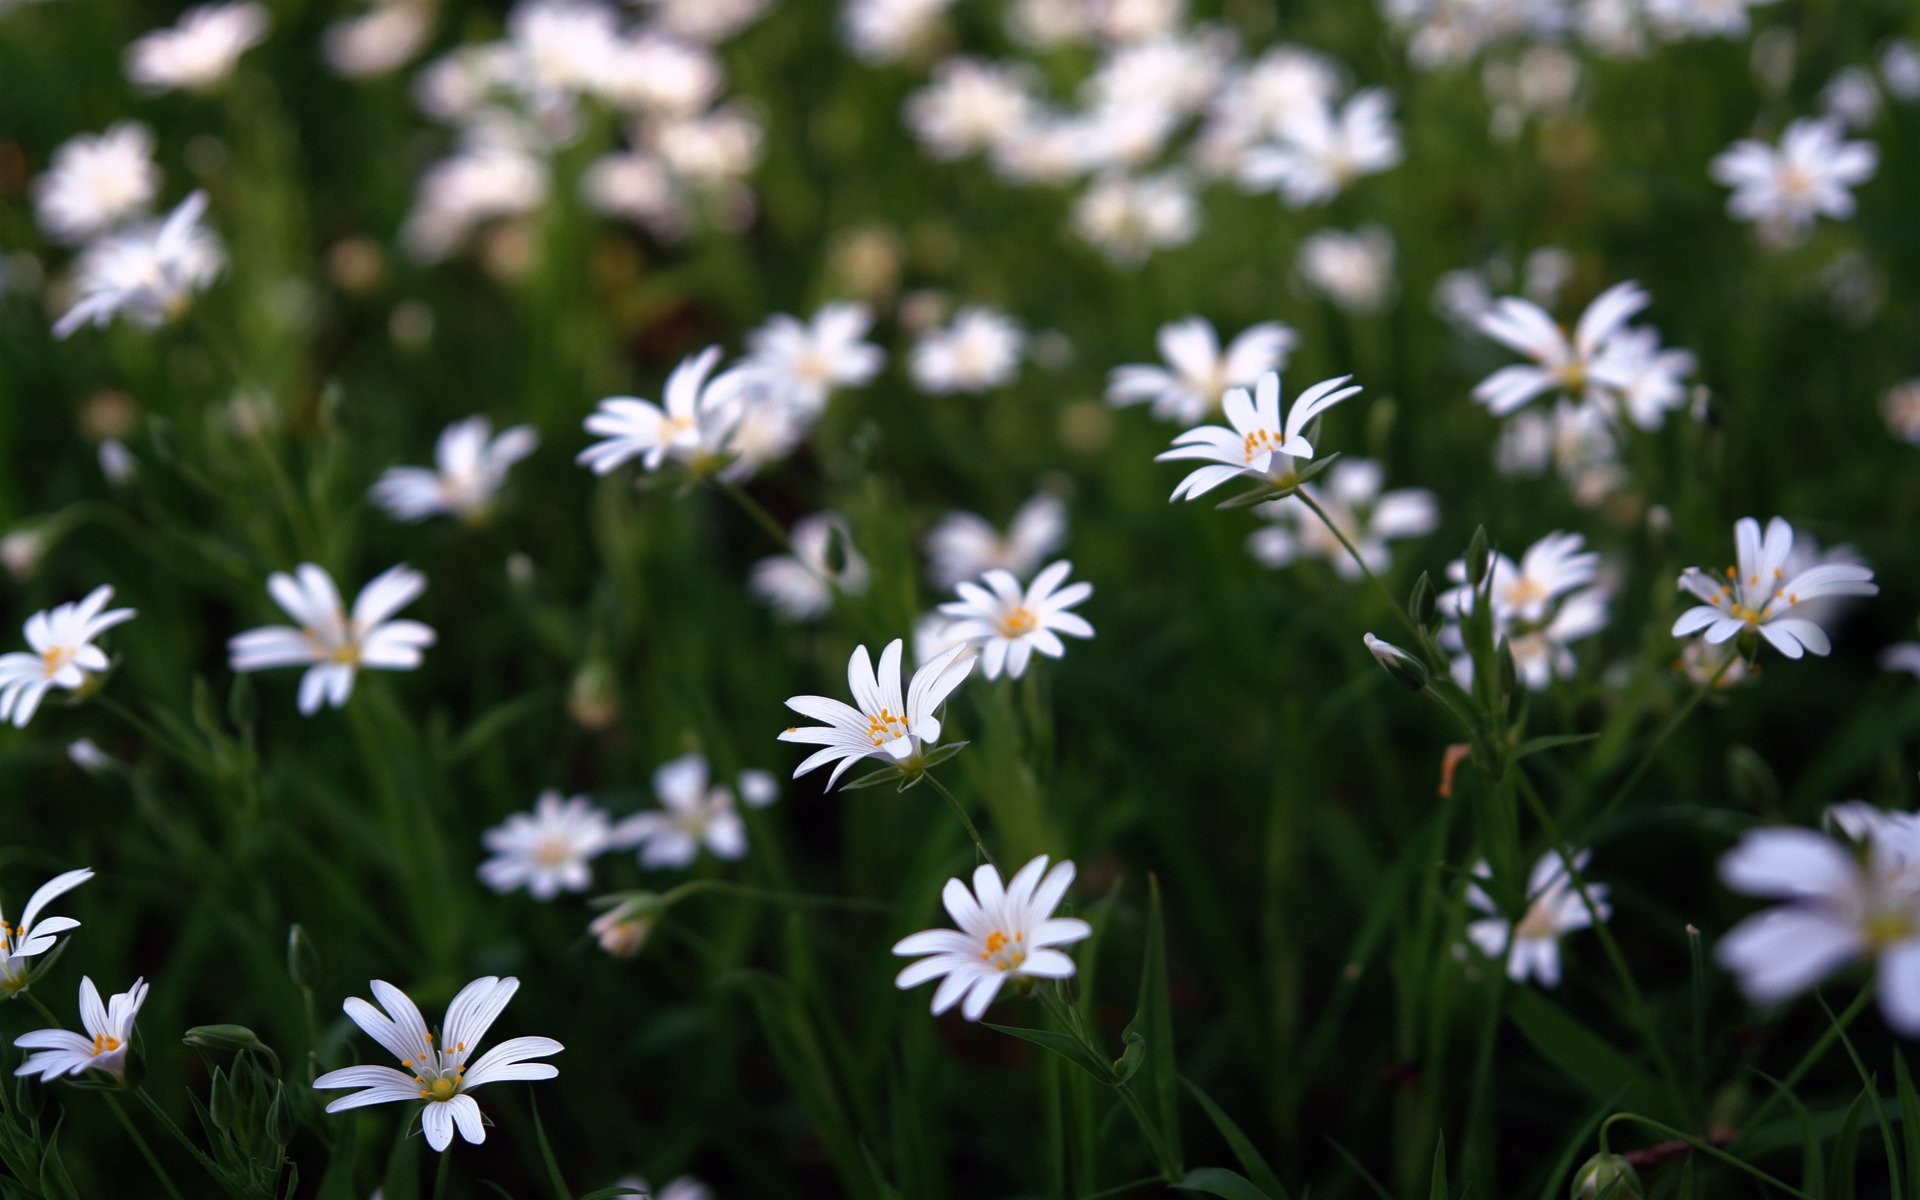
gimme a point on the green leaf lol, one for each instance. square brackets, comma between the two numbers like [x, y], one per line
[488, 726]
[1366, 1176]
[546, 1152]
[1586, 1059]
[1872, 1092]
[1218, 1181]
[1131, 1059]
[1243, 1149]
[1437, 1190]
[1551, 741]
[1153, 1021]
[1066, 1047]
[881, 1187]
[1845, 1151]
[1909, 1120]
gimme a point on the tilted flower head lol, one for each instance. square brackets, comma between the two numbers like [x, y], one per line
[691, 429]
[1009, 624]
[23, 941]
[884, 725]
[1403, 667]
[1004, 933]
[1258, 445]
[470, 467]
[979, 351]
[440, 1075]
[1198, 373]
[801, 586]
[548, 850]
[692, 814]
[1554, 908]
[1320, 151]
[200, 51]
[1756, 594]
[1539, 605]
[1843, 903]
[965, 546]
[96, 182]
[63, 656]
[332, 644]
[1807, 176]
[810, 359]
[1558, 363]
[1368, 517]
[109, 1029]
[147, 273]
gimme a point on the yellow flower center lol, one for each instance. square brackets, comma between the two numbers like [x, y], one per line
[1257, 442]
[442, 1088]
[886, 727]
[552, 850]
[1004, 953]
[1886, 928]
[104, 1043]
[1020, 621]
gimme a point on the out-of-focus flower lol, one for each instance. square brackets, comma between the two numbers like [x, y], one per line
[25, 940]
[1403, 667]
[801, 586]
[1674, 19]
[380, 40]
[1554, 908]
[1785, 188]
[1575, 439]
[887, 31]
[1008, 624]
[1539, 605]
[437, 1071]
[1004, 932]
[146, 273]
[965, 546]
[1367, 516]
[549, 850]
[470, 467]
[1757, 595]
[1571, 365]
[970, 106]
[1900, 70]
[691, 429]
[1703, 664]
[1901, 408]
[623, 930]
[1129, 217]
[97, 181]
[1641, 379]
[332, 645]
[692, 814]
[685, 1187]
[1321, 151]
[809, 359]
[63, 654]
[492, 177]
[200, 51]
[1258, 445]
[1198, 373]
[22, 550]
[883, 725]
[979, 351]
[105, 1049]
[1354, 270]
[1851, 97]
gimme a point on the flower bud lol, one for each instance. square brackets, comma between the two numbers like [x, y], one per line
[1606, 1177]
[1509, 672]
[279, 1124]
[1477, 560]
[1404, 667]
[235, 1039]
[622, 930]
[1420, 604]
[594, 699]
[303, 957]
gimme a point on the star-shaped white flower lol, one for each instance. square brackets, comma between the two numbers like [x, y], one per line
[95, 182]
[470, 467]
[1554, 908]
[884, 725]
[809, 359]
[104, 1048]
[331, 644]
[1258, 445]
[1807, 176]
[439, 1074]
[63, 654]
[1198, 372]
[1571, 366]
[1320, 150]
[200, 51]
[692, 814]
[23, 941]
[147, 273]
[1541, 604]
[691, 429]
[549, 850]
[1004, 933]
[1756, 594]
[965, 545]
[1008, 624]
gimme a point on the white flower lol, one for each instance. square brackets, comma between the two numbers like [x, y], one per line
[884, 31]
[200, 51]
[1258, 445]
[810, 359]
[1701, 18]
[1198, 373]
[970, 105]
[109, 1031]
[378, 41]
[1320, 152]
[1901, 656]
[23, 941]
[884, 725]
[686, 1187]
[1842, 904]
[1851, 97]
[1900, 70]
[1554, 908]
[147, 272]
[493, 177]
[1008, 625]
[1003, 933]
[1354, 270]
[561, 46]
[980, 350]
[691, 429]
[1571, 366]
[438, 1073]
[63, 654]
[801, 586]
[546, 851]
[470, 468]
[691, 815]
[1757, 594]
[965, 546]
[331, 644]
[1127, 217]
[1540, 604]
[1368, 517]
[1807, 176]
[1901, 408]
[96, 182]
[1642, 379]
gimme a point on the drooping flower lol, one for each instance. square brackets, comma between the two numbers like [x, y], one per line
[1009, 624]
[1809, 175]
[109, 1029]
[200, 51]
[22, 941]
[1258, 445]
[549, 850]
[965, 546]
[810, 359]
[1198, 373]
[63, 654]
[470, 467]
[438, 1072]
[1554, 908]
[1570, 366]
[1367, 516]
[801, 586]
[146, 273]
[693, 813]
[96, 182]
[979, 351]
[692, 429]
[883, 725]
[1757, 595]
[1549, 599]
[331, 644]
[1003, 933]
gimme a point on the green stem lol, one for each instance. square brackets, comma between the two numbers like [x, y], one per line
[179, 1135]
[761, 517]
[440, 1175]
[1704, 1147]
[146, 1151]
[964, 818]
[1406, 619]
[1666, 731]
[40, 1006]
[1834, 1029]
[770, 895]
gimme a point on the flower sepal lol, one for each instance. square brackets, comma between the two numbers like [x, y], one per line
[1268, 489]
[910, 772]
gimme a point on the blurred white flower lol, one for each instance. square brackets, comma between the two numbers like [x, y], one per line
[1758, 595]
[1554, 908]
[95, 182]
[1285, 84]
[1851, 97]
[1198, 373]
[1549, 599]
[691, 815]
[470, 467]
[1573, 366]
[1354, 270]
[63, 654]
[1258, 445]
[548, 850]
[147, 272]
[970, 106]
[1641, 379]
[1785, 188]
[105, 1048]
[1320, 151]
[379, 41]
[1900, 70]
[1351, 496]
[979, 351]
[965, 546]
[1129, 217]
[22, 550]
[436, 1071]
[887, 31]
[561, 47]
[705, 21]
[883, 725]
[1575, 439]
[25, 940]
[801, 586]
[198, 52]
[691, 428]
[663, 76]
[491, 178]
[811, 358]
[331, 644]
[1004, 932]
[1901, 408]
[686, 1187]
[1008, 624]
[1701, 18]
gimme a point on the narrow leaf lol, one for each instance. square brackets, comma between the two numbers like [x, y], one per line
[1218, 1181]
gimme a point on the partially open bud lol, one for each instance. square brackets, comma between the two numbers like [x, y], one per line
[1606, 1177]
[594, 699]
[1404, 667]
[622, 930]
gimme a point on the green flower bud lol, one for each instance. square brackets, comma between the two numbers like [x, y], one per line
[1420, 604]
[1478, 560]
[1606, 1177]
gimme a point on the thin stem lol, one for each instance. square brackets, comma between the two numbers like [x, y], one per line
[179, 1135]
[964, 818]
[146, 1151]
[41, 1006]
[440, 1175]
[1666, 731]
[1701, 1145]
[1834, 1029]
[761, 517]
[1406, 618]
[1162, 1154]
